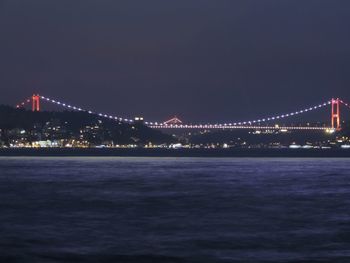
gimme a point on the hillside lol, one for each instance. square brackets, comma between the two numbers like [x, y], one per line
[28, 126]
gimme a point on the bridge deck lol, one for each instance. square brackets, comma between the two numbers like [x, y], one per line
[184, 126]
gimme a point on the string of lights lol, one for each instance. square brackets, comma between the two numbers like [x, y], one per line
[23, 103]
[276, 117]
[223, 126]
[164, 124]
[71, 107]
[345, 104]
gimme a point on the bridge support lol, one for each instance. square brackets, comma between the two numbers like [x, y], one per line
[36, 102]
[336, 114]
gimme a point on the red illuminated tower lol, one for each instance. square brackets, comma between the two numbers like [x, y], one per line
[36, 102]
[336, 114]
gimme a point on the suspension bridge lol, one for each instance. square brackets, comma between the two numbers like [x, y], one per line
[175, 123]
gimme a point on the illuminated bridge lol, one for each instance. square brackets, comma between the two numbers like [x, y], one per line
[176, 123]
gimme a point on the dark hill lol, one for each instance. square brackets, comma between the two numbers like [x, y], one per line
[36, 126]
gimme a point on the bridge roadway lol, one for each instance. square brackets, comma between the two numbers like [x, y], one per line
[210, 126]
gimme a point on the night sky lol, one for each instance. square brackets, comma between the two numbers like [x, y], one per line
[203, 60]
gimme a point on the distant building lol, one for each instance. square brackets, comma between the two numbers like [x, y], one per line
[138, 120]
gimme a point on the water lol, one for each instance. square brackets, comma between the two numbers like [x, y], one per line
[174, 210]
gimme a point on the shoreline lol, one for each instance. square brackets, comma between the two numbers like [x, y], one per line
[142, 152]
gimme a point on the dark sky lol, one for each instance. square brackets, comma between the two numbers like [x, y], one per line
[203, 60]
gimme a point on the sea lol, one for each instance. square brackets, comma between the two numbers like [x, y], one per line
[153, 209]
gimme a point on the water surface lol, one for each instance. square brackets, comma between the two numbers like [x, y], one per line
[174, 210]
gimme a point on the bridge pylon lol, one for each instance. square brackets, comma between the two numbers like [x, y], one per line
[36, 103]
[336, 114]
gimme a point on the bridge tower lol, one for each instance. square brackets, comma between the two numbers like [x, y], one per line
[35, 102]
[336, 114]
